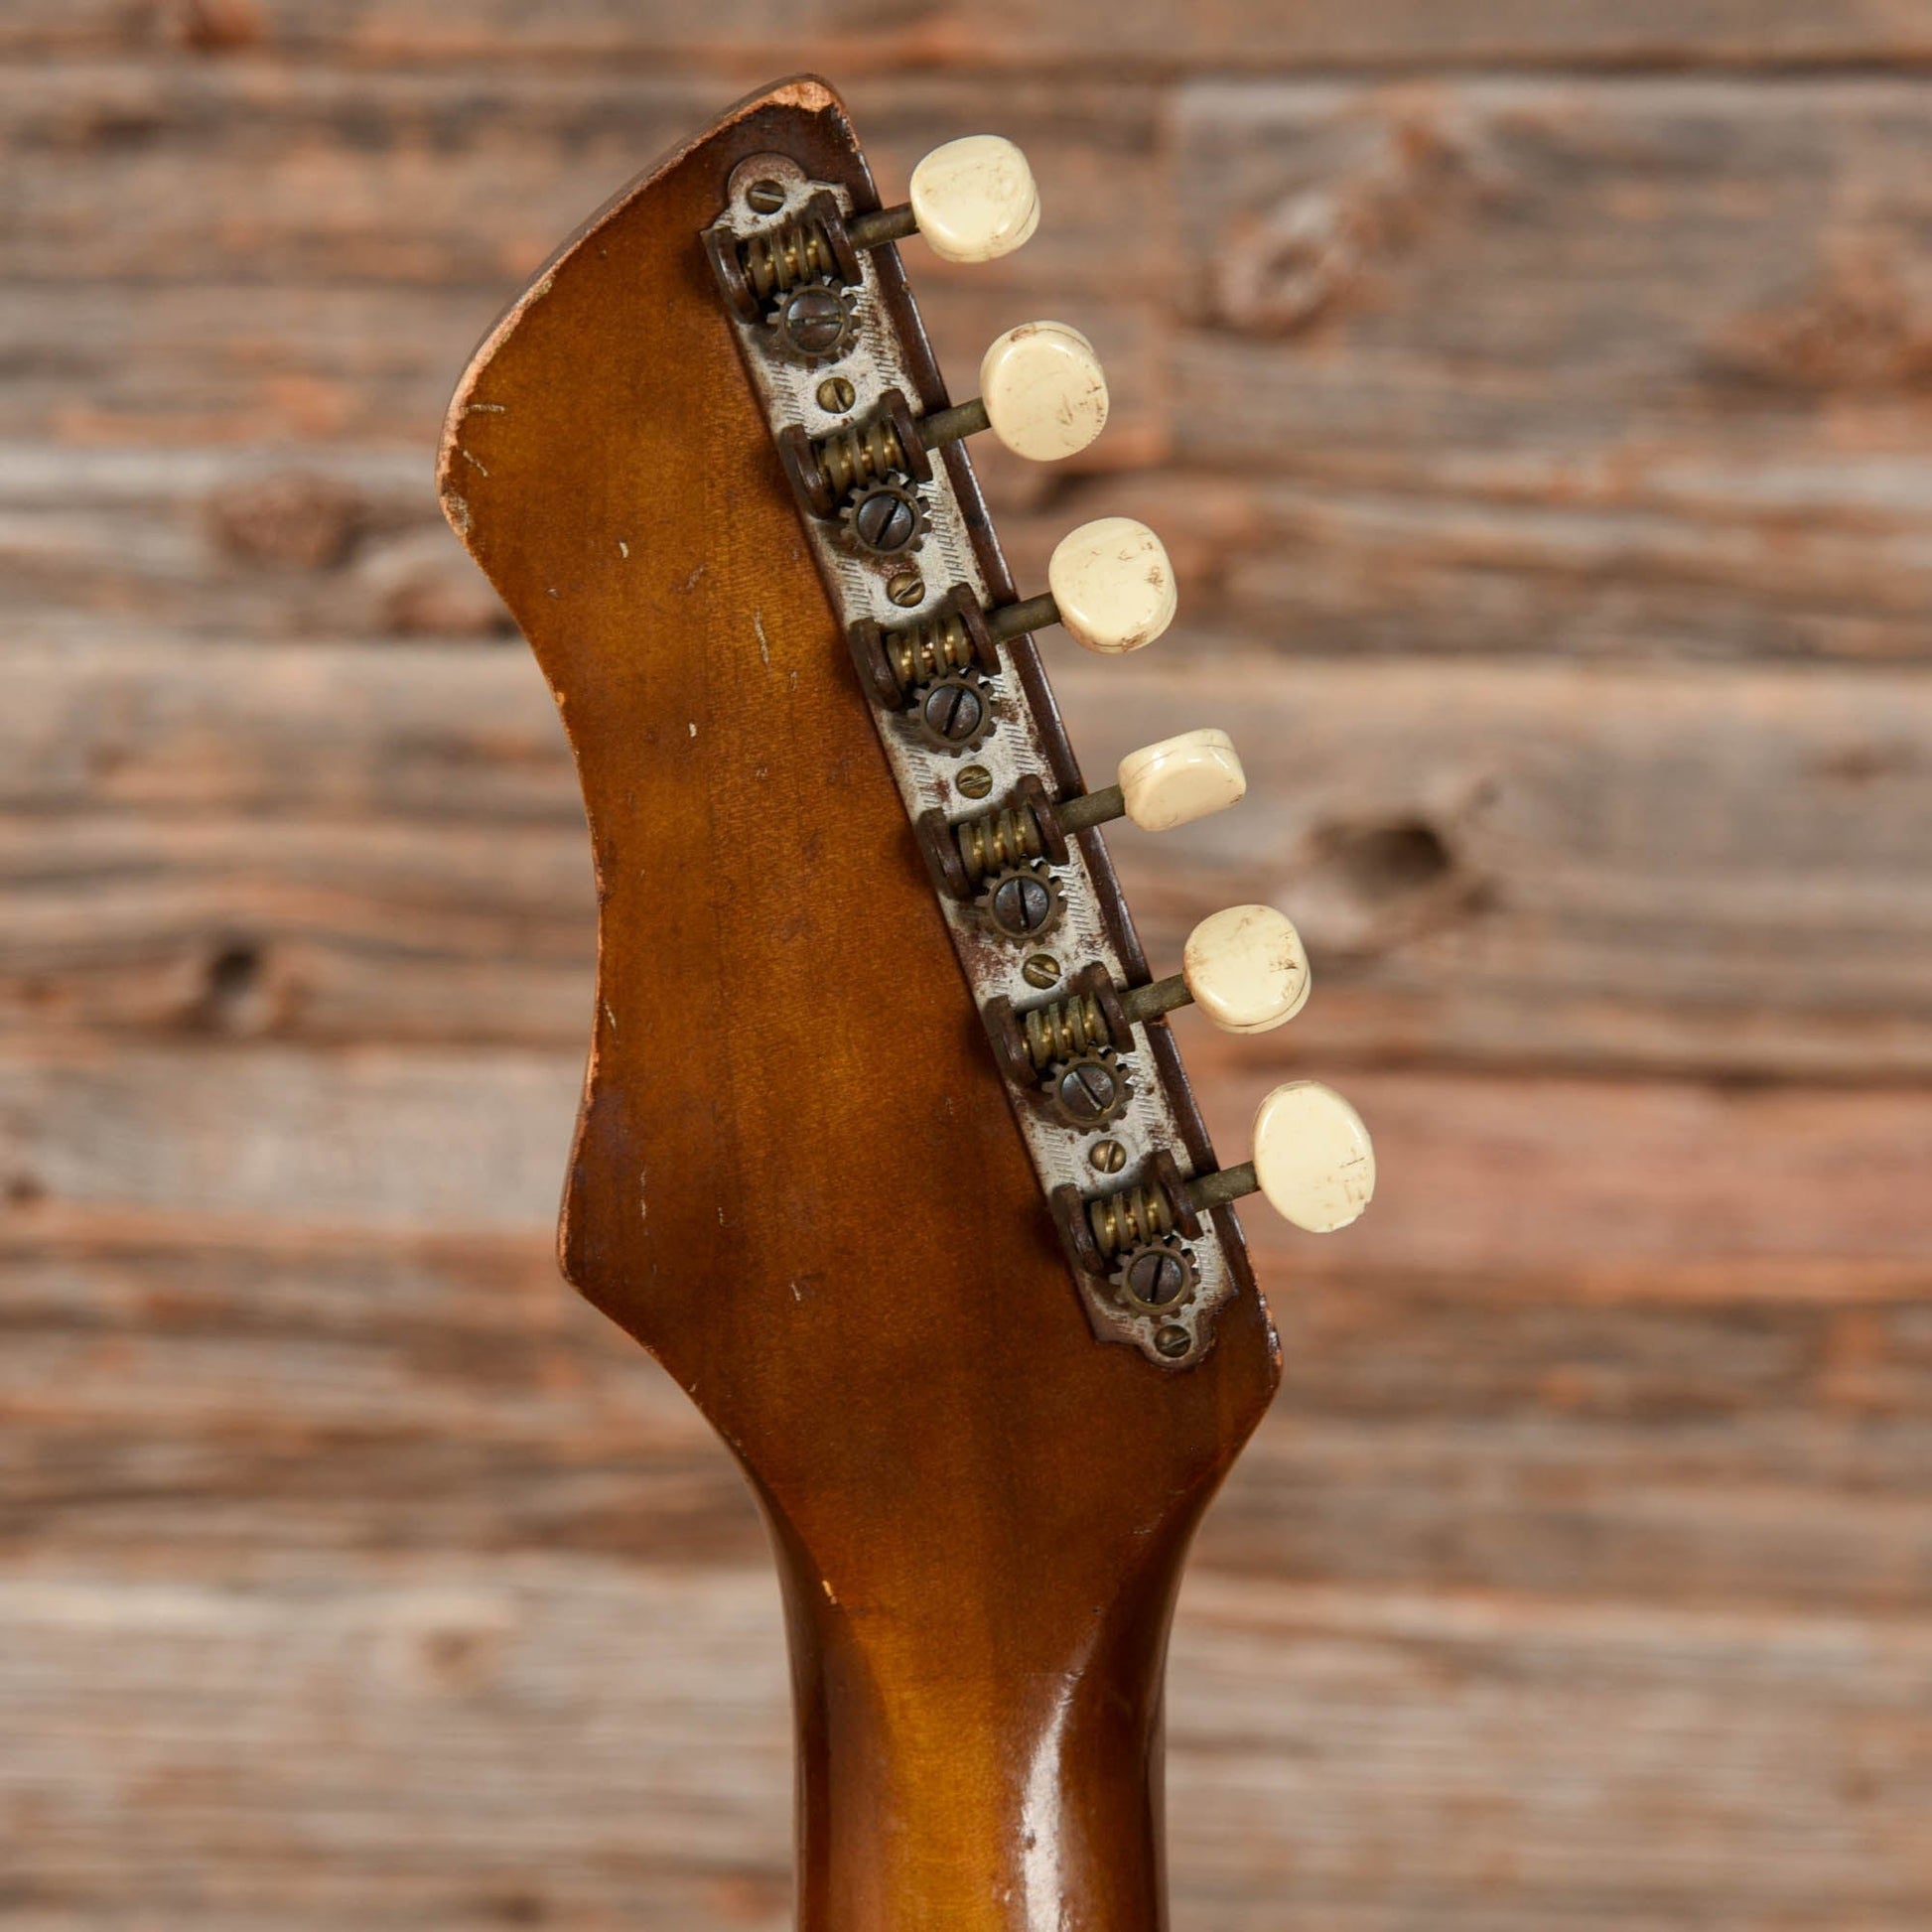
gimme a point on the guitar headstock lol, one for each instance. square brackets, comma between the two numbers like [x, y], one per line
[885, 1149]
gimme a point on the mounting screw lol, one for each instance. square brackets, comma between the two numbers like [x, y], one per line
[836, 395]
[1107, 1157]
[764, 196]
[906, 586]
[976, 782]
[1040, 968]
[1156, 1277]
[1172, 1341]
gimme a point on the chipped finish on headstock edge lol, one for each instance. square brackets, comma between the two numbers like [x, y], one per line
[796, 1178]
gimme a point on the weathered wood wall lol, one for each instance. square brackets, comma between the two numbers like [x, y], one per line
[1537, 399]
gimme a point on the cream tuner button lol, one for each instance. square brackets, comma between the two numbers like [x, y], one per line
[974, 200]
[1312, 1159]
[1246, 969]
[1182, 779]
[1112, 585]
[1043, 391]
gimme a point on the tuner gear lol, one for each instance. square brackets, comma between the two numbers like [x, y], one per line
[1089, 1091]
[887, 518]
[954, 714]
[1023, 904]
[1156, 1277]
[817, 322]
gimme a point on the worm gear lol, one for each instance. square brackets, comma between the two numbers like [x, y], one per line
[953, 714]
[887, 518]
[1089, 1090]
[1156, 1276]
[1023, 904]
[816, 322]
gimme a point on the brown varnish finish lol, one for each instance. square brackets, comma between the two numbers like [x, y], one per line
[796, 1179]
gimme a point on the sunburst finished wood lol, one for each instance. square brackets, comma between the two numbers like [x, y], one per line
[796, 1179]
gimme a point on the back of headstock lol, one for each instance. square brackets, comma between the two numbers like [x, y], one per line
[885, 1152]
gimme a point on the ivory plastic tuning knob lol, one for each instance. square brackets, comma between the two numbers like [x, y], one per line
[1174, 782]
[1313, 1163]
[972, 200]
[1112, 586]
[1181, 780]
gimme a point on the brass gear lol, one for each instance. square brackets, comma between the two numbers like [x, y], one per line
[1023, 904]
[815, 322]
[1156, 1278]
[1088, 1091]
[888, 517]
[953, 714]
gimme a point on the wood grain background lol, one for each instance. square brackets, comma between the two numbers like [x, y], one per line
[1537, 395]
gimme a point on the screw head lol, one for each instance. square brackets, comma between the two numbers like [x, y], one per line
[836, 395]
[764, 196]
[976, 782]
[1022, 904]
[952, 712]
[1172, 1341]
[1107, 1157]
[814, 319]
[1087, 1092]
[884, 522]
[1040, 968]
[1156, 1277]
[907, 588]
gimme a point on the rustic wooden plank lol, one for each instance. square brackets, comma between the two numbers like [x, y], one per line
[1825, 559]
[1647, 1432]
[1513, 861]
[254, 171]
[324, 930]
[747, 38]
[567, 1741]
[415, 1139]
[241, 542]
[425, 730]
[1587, 865]
[1655, 293]
[201, 363]
[337, 541]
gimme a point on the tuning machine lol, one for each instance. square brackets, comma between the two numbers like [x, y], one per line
[1244, 968]
[1313, 1163]
[1159, 787]
[1109, 587]
[1043, 393]
[972, 200]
